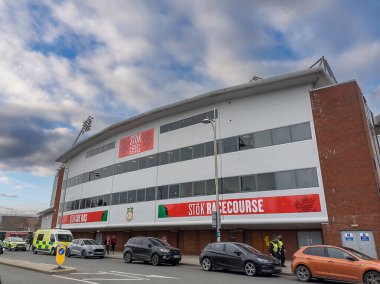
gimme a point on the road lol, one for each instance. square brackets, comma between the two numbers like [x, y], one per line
[108, 271]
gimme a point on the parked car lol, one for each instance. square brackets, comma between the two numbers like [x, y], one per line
[15, 243]
[85, 248]
[47, 240]
[238, 257]
[2, 248]
[151, 250]
[335, 263]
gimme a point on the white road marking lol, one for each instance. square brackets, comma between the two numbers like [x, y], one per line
[89, 273]
[150, 276]
[113, 279]
[121, 274]
[79, 280]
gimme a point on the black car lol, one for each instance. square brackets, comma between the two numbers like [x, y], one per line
[238, 257]
[150, 250]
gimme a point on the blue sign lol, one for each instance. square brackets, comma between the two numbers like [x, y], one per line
[349, 237]
[61, 251]
[364, 237]
[217, 234]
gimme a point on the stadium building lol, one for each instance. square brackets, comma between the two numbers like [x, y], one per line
[297, 155]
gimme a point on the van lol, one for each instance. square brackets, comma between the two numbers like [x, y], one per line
[47, 240]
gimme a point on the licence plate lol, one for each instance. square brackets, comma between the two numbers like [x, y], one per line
[176, 256]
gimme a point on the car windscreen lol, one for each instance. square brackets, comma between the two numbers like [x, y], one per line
[158, 243]
[16, 239]
[248, 249]
[90, 242]
[63, 237]
[358, 253]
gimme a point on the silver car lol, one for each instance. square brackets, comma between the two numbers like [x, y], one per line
[85, 248]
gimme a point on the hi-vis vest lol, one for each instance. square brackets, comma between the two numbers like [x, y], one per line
[280, 244]
[275, 246]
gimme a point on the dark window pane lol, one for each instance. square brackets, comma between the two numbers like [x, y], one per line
[175, 125]
[162, 192]
[210, 187]
[142, 163]
[141, 195]
[164, 158]
[152, 161]
[106, 200]
[112, 144]
[150, 193]
[286, 180]
[88, 202]
[76, 206]
[131, 196]
[246, 142]
[122, 167]
[231, 185]
[263, 138]
[106, 147]
[317, 251]
[186, 153]
[186, 190]
[164, 128]
[199, 151]
[199, 188]
[115, 198]
[123, 197]
[174, 191]
[301, 131]
[174, 156]
[100, 200]
[266, 181]
[88, 154]
[210, 148]
[94, 201]
[307, 178]
[133, 165]
[83, 203]
[85, 177]
[248, 183]
[281, 135]
[337, 253]
[229, 145]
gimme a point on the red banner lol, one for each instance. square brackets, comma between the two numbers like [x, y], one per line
[136, 143]
[261, 205]
[97, 216]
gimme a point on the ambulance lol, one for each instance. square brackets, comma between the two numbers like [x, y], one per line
[46, 240]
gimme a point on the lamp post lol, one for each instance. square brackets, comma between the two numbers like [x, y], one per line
[218, 221]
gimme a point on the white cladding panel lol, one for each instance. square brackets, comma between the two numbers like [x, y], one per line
[240, 116]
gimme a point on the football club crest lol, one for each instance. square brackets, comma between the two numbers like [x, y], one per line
[129, 214]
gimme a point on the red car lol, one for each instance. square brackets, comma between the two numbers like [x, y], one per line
[335, 263]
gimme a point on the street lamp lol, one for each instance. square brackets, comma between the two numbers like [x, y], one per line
[218, 221]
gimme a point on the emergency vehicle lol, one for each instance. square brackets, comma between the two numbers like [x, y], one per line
[47, 240]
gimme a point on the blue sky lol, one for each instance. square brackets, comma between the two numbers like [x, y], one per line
[61, 61]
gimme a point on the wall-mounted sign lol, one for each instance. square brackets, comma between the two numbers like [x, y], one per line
[129, 214]
[245, 206]
[136, 143]
[364, 237]
[88, 217]
[349, 237]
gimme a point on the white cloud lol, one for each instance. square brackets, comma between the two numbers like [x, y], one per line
[4, 194]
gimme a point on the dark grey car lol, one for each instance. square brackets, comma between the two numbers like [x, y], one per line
[85, 248]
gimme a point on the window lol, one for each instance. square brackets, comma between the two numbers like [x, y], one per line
[248, 183]
[307, 178]
[162, 192]
[142, 163]
[286, 180]
[246, 142]
[123, 197]
[164, 158]
[266, 181]
[174, 191]
[230, 185]
[336, 253]
[115, 198]
[150, 194]
[187, 153]
[40, 237]
[122, 168]
[88, 202]
[100, 200]
[133, 165]
[94, 201]
[199, 188]
[106, 200]
[300, 131]
[210, 187]
[263, 138]
[281, 135]
[83, 203]
[77, 203]
[186, 190]
[317, 251]
[229, 145]
[210, 148]
[199, 151]
[218, 247]
[52, 238]
[231, 249]
[141, 195]
[131, 196]
[174, 156]
[152, 161]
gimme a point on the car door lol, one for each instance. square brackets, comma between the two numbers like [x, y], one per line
[145, 249]
[76, 247]
[232, 258]
[136, 248]
[340, 267]
[217, 255]
[316, 260]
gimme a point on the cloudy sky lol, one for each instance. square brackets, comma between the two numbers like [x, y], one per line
[61, 61]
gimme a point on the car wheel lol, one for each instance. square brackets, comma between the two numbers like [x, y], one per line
[83, 254]
[52, 251]
[128, 257]
[372, 277]
[155, 259]
[68, 253]
[206, 264]
[303, 273]
[250, 268]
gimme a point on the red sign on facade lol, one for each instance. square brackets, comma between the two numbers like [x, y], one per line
[136, 143]
[261, 205]
[88, 217]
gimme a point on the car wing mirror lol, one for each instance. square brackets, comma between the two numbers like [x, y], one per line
[237, 253]
[351, 258]
[149, 246]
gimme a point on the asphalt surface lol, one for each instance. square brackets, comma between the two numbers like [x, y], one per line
[109, 271]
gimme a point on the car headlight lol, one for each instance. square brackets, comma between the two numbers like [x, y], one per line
[263, 260]
[164, 250]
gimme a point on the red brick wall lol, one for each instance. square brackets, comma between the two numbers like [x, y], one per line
[348, 170]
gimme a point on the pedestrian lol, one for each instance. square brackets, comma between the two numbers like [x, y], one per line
[282, 250]
[30, 241]
[113, 243]
[274, 248]
[107, 244]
